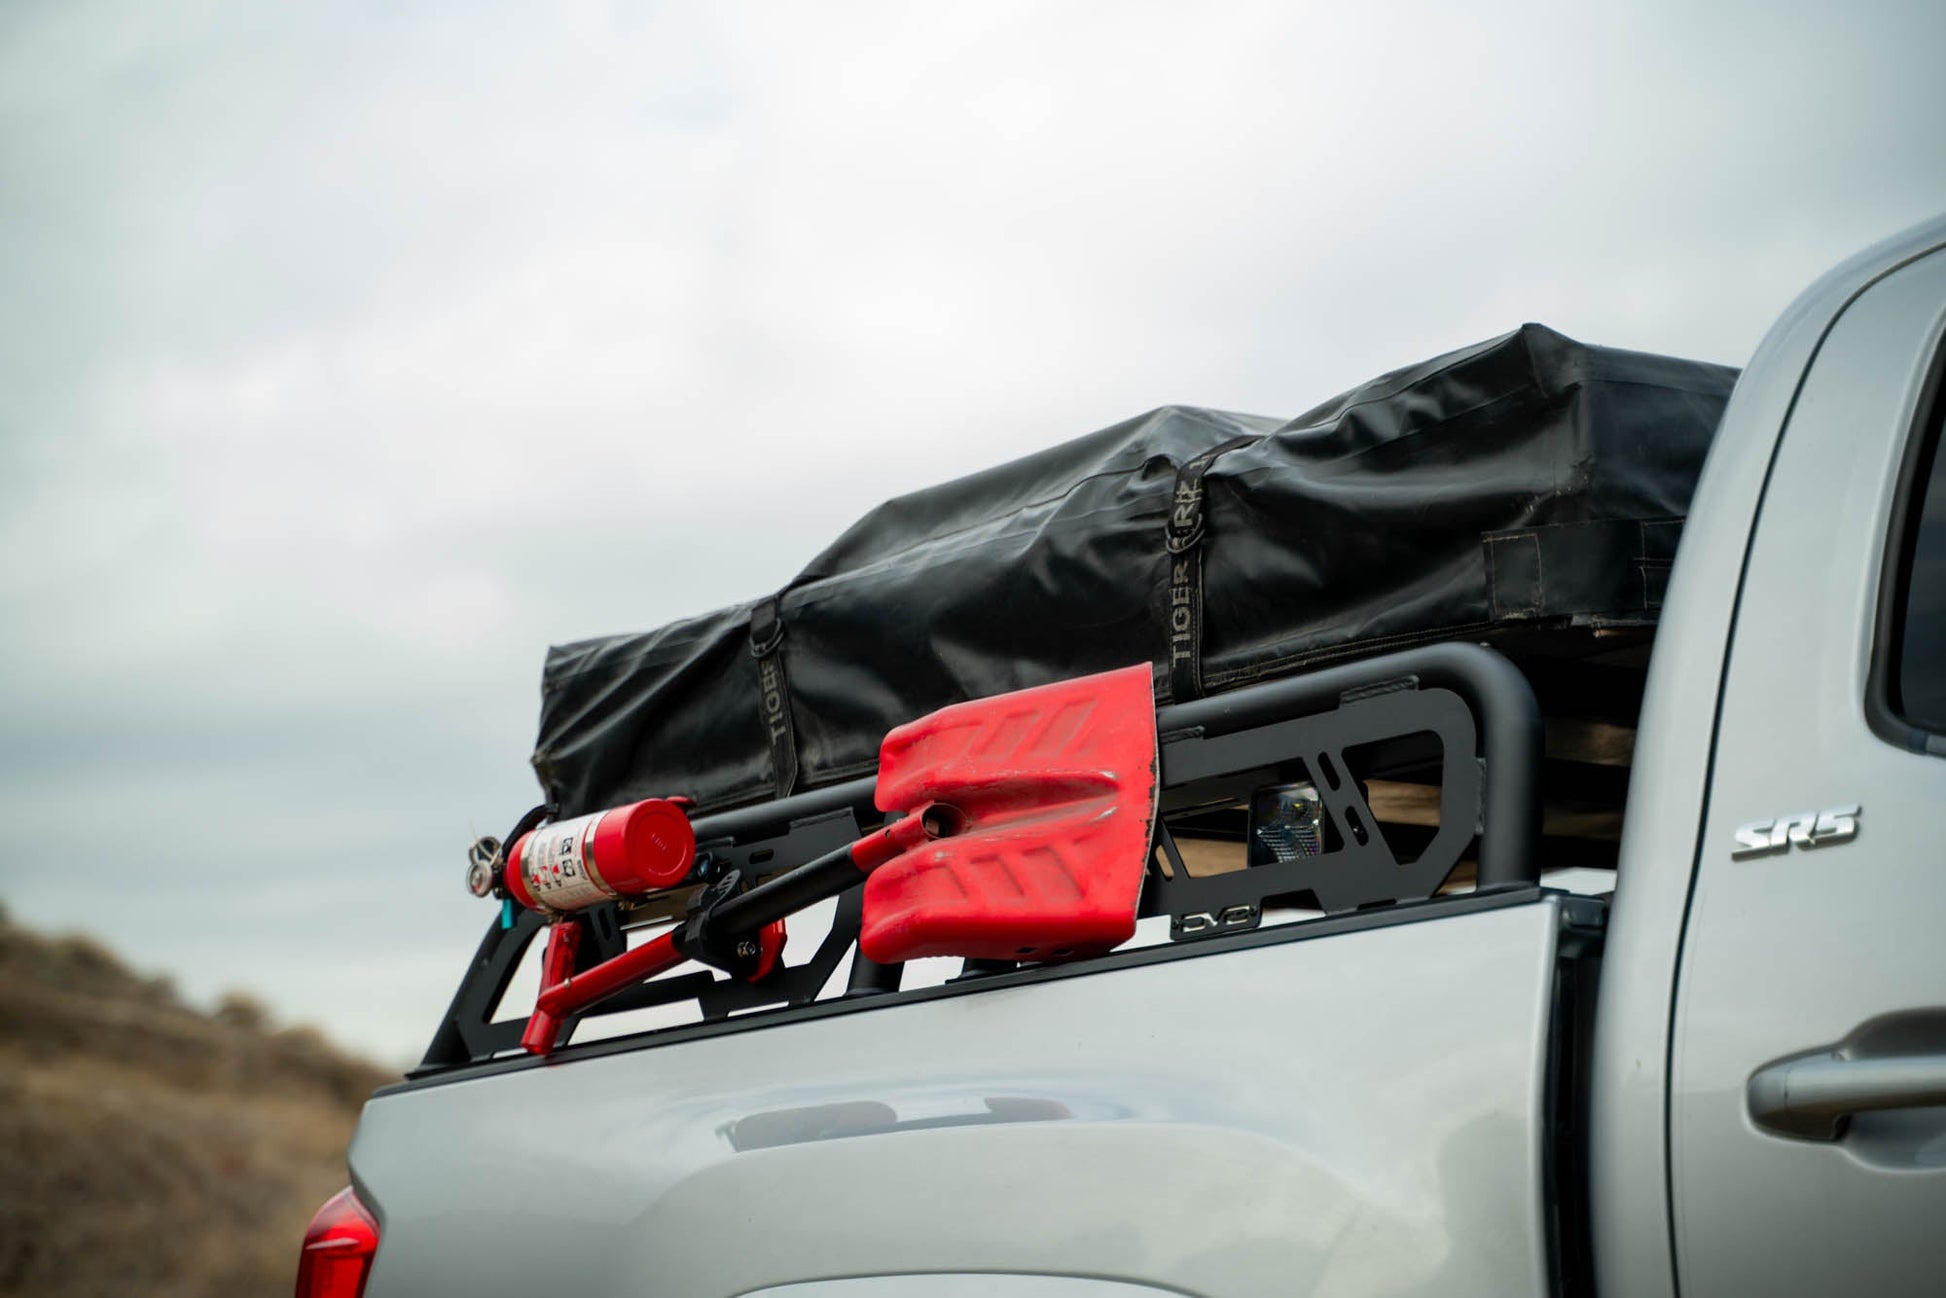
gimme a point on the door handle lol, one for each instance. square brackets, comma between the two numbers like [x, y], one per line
[1811, 1096]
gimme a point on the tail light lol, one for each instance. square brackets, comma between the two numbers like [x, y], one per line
[338, 1249]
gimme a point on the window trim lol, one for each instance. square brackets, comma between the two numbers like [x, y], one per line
[1925, 441]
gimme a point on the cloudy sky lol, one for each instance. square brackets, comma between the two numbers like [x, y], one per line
[350, 355]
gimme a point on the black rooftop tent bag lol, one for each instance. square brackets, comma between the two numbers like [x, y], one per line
[1527, 491]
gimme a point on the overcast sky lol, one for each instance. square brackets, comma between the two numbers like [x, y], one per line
[350, 355]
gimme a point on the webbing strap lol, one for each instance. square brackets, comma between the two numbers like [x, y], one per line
[1183, 609]
[774, 692]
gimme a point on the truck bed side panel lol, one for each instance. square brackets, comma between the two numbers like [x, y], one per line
[1356, 1114]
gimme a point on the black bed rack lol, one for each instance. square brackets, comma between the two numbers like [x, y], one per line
[1458, 711]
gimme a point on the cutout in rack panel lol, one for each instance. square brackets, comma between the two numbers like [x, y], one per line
[1247, 807]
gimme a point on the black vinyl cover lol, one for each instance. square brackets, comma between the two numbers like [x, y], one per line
[1529, 482]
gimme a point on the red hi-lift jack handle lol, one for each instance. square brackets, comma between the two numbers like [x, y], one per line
[738, 931]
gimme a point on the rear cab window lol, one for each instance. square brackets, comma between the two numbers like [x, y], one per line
[1907, 696]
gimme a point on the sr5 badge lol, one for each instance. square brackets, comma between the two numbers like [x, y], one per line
[1803, 828]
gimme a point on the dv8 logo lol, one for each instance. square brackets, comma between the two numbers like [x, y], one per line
[1209, 923]
[1804, 828]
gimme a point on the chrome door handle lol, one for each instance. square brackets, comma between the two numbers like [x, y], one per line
[1810, 1097]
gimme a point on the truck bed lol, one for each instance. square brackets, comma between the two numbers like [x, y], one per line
[1365, 1104]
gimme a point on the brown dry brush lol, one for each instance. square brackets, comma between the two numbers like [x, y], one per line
[146, 1148]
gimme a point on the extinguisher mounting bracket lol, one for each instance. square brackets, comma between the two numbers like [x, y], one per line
[741, 955]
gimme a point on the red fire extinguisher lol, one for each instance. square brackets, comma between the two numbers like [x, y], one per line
[626, 852]
[622, 854]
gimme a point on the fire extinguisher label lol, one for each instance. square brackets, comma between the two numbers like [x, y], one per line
[555, 862]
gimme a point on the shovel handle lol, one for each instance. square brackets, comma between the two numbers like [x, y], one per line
[826, 876]
[564, 993]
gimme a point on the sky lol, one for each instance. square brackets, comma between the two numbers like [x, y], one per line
[352, 354]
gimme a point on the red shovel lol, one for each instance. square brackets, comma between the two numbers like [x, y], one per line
[1024, 832]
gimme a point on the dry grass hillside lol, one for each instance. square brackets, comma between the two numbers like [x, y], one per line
[149, 1149]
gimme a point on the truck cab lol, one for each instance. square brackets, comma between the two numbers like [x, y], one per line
[1796, 675]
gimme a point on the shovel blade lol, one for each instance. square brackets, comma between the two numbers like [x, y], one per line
[1056, 786]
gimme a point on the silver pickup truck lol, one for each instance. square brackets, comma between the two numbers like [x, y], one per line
[1718, 1070]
